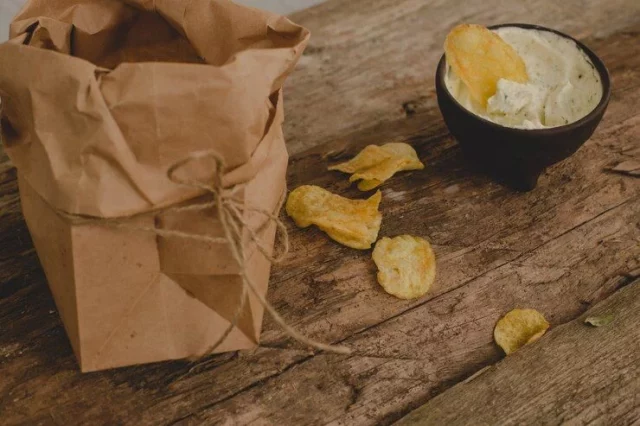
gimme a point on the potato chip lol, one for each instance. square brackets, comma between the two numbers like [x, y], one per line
[353, 223]
[518, 328]
[374, 165]
[479, 57]
[368, 185]
[368, 157]
[406, 266]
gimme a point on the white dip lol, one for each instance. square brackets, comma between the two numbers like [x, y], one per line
[563, 85]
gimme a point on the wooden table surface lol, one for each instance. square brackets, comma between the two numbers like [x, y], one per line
[570, 246]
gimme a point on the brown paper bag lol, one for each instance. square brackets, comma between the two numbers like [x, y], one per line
[100, 99]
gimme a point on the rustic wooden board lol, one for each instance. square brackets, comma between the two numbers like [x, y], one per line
[367, 78]
[577, 374]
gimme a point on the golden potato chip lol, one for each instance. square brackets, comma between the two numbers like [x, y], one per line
[376, 164]
[354, 223]
[518, 328]
[406, 266]
[479, 57]
[368, 185]
[368, 157]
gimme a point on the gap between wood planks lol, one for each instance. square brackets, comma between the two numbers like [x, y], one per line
[522, 254]
[533, 385]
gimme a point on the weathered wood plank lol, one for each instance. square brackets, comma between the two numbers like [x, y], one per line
[576, 374]
[572, 237]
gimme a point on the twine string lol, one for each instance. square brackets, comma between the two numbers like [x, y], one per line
[230, 212]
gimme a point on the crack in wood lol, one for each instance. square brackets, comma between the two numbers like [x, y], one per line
[233, 395]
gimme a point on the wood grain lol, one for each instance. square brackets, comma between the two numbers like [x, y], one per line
[367, 78]
[578, 374]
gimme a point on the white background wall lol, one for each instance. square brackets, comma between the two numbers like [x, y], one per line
[280, 6]
[8, 8]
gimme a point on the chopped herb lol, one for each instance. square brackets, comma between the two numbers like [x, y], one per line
[599, 321]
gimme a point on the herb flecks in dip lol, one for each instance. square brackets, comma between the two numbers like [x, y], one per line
[563, 85]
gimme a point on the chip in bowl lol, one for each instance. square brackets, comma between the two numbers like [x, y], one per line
[374, 165]
[481, 58]
[353, 223]
[406, 266]
[518, 328]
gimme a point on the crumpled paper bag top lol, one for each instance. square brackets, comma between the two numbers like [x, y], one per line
[101, 97]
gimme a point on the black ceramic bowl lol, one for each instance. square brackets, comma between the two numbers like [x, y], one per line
[517, 157]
